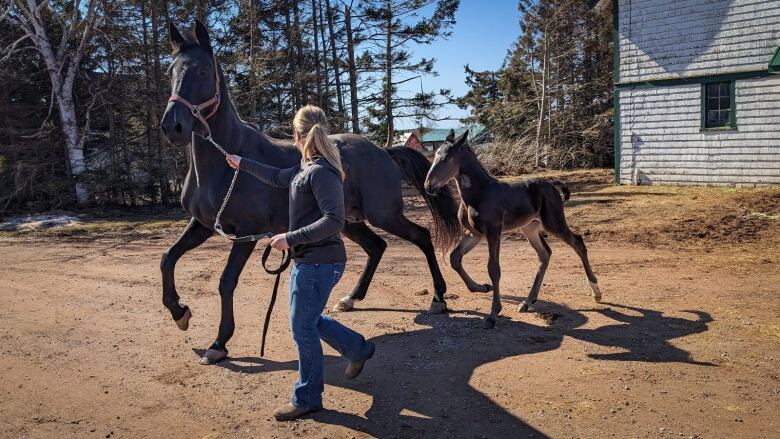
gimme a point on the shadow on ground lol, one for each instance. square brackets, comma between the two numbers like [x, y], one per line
[419, 379]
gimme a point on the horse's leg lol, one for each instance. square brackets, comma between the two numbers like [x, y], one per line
[554, 222]
[533, 232]
[374, 246]
[494, 270]
[466, 244]
[194, 235]
[239, 254]
[401, 227]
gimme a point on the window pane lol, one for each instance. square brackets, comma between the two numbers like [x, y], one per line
[718, 103]
[712, 117]
[725, 102]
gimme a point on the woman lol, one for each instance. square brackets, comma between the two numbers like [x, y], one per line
[316, 220]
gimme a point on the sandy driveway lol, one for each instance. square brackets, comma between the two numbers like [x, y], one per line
[687, 344]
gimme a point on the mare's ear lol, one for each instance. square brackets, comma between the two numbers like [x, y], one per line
[202, 34]
[175, 36]
[451, 136]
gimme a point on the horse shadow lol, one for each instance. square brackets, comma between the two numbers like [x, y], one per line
[643, 337]
[419, 379]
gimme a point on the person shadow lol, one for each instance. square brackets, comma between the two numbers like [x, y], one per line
[419, 379]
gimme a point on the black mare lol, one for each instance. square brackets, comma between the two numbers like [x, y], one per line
[372, 188]
[489, 206]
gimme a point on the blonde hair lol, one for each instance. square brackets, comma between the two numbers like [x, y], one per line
[311, 124]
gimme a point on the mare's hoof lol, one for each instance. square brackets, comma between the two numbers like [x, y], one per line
[525, 307]
[184, 322]
[438, 308]
[490, 323]
[213, 356]
[345, 304]
[596, 292]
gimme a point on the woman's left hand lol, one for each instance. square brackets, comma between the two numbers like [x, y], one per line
[233, 160]
[279, 242]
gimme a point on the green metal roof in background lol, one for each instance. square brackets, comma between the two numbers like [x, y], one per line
[774, 63]
[440, 134]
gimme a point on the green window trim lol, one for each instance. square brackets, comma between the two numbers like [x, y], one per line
[731, 124]
[774, 63]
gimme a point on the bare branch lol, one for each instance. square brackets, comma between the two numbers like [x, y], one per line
[11, 49]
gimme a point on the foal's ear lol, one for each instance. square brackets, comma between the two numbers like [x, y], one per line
[202, 34]
[175, 36]
[463, 139]
[451, 136]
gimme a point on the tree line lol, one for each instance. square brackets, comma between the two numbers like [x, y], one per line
[83, 84]
[550, 104]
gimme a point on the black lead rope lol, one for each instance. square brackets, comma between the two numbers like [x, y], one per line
[286, 258]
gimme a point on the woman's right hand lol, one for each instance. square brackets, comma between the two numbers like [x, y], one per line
[233, 160]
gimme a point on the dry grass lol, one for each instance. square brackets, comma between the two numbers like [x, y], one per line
[651, 216]
[669, 216]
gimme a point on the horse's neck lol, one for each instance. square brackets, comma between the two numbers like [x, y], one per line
[235, 137]
[472, 180]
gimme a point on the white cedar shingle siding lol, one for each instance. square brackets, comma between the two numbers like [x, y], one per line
[661, 140]
[663, 39]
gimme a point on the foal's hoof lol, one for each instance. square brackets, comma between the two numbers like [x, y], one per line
[184, 322]
[345, 304]
[213, 356]
[525, 307]
[596, 294]
[438, 307]
[490, 323]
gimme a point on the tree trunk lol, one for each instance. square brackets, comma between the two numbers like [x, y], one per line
[252, 67]
[150, 149]
[389, 75]
[302, 84]
[66, 63]
[162, 170]
[336, 70]
[316, 51]
[326, 79]
[353, 97]
[295, 93]
[542, 106]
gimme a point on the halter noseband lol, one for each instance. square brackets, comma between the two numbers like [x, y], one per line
[197, 110]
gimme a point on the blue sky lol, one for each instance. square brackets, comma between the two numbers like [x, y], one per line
[484, 32]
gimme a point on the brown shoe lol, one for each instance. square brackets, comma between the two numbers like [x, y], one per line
[355, 367]
[290, 412]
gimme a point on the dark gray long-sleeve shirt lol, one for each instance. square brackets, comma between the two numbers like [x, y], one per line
[316, 208]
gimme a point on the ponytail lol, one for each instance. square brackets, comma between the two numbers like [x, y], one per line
[311, 123]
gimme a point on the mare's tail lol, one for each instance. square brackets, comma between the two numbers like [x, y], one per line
[414, 168]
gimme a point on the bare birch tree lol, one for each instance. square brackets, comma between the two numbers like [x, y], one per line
[62, 64]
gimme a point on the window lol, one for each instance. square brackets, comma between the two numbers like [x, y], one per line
[718, 106]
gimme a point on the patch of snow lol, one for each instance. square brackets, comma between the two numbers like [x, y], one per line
[30, 223]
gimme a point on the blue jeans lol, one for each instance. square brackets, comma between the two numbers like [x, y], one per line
[310, 286]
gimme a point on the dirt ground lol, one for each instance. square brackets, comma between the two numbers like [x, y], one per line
[686, 343]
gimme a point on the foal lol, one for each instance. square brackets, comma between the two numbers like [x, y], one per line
[488, 207]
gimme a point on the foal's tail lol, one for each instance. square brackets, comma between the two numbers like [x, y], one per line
[561, 186]
[414, 168]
